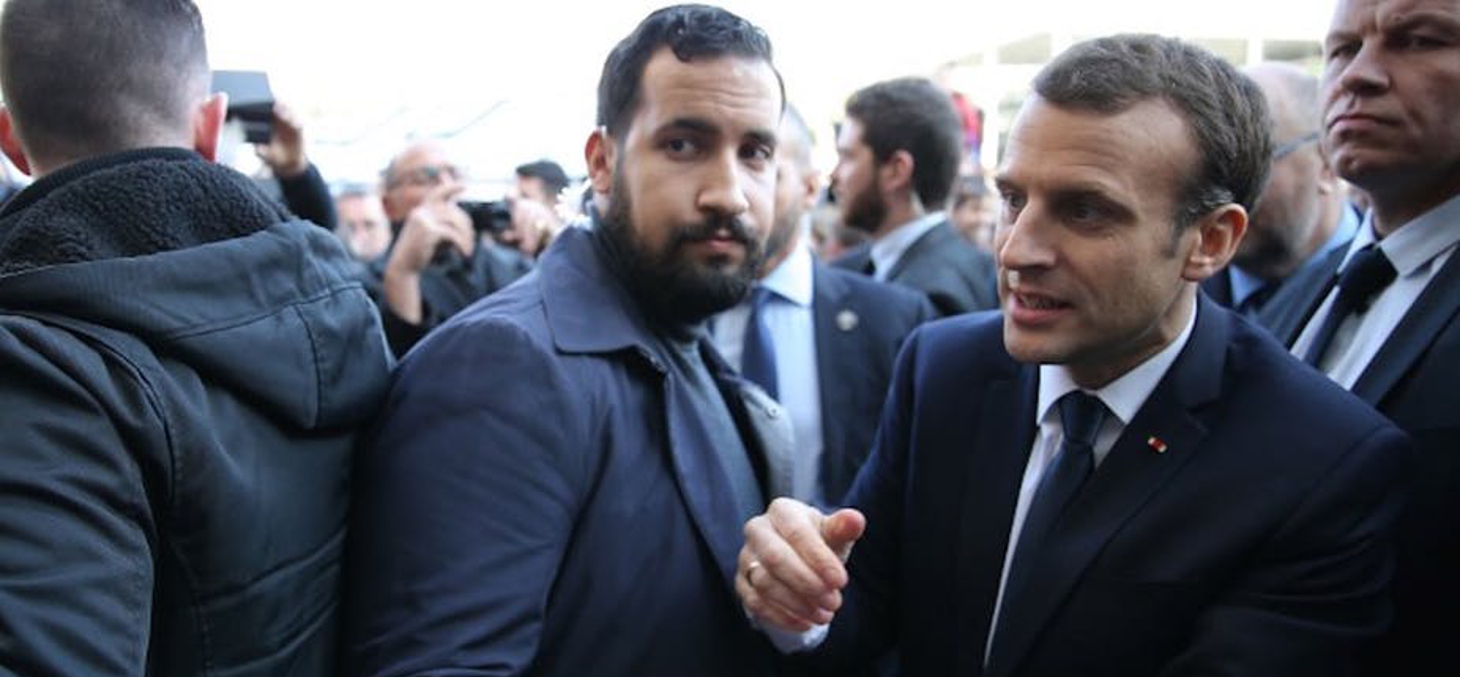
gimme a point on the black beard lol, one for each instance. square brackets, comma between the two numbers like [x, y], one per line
[865, 211]
[672, 288]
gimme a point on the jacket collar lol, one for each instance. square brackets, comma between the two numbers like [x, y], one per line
[589, 308]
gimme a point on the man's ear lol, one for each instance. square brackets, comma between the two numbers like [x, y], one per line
[208, 125]
[1217, 236]
[896, 173]
[810, 188]
[601, 153]
[10, 143]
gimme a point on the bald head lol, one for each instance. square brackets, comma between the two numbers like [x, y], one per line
[1292, 99]
[1301, 205]
[412, 174]
[796, 186]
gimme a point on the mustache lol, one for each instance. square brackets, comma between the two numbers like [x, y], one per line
[737, 229]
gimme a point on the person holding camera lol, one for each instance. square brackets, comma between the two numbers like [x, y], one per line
[437, 264]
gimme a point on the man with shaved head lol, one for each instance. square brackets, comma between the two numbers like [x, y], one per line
[1303, 213]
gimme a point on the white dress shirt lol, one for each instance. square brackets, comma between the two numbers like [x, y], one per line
[888, 249]
[792, 326]
[1418, 250]
[1124, 397]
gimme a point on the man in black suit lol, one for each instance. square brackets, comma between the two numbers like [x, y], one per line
[1304, 213]
[1117, 476]
[898, 151]
[1391, 87]
[830, 335]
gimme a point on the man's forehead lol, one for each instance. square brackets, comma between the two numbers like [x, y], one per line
[711, 89]
[1127, 151]
[421, 154]
[1354, 15]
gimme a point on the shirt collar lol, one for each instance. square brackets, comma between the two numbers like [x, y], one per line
[1125, 395]
[888, 249]
[791, 280]
[1416, 243]
[1244, 284]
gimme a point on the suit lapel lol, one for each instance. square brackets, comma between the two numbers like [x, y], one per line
[996, 456]
[831, 358]
[1294, 303]
[1124, 481]
[1422, 323]
[926, 245]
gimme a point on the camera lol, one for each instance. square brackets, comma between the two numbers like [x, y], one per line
[488, 217]
[250, 101]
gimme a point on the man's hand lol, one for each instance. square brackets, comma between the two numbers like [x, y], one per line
[284, 153]
[434, 223]
[792, 569]
[533, 226]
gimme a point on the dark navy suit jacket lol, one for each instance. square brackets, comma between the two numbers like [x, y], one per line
[956, 276]
[1412, 380]
[542, 498]
[859, 325]
[1255, 544]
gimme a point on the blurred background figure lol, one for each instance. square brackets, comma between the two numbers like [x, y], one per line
[898, 153]
[296, 181]
[818, 339]
[438, 262]
[362, 224]
[975, 211]
[536, 201]
[1303, 213]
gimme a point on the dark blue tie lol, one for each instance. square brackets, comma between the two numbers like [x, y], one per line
[757, 352]
[1368, 273]
[1081, 415]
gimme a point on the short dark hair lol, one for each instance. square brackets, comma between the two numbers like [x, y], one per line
[692, 32]
[87, 77]
[1223, 108]
[550, 173]
[913, 115]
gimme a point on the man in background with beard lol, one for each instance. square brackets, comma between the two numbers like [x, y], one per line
[897, 158]
[562, 470]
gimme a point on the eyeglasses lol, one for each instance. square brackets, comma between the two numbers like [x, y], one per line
[1287, 149]
[426, 175]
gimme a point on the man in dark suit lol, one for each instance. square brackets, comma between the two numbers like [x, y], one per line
[898, 152]
[819, 339]
[1114, 477]
[1304, 213]
[584, 520]
[1390, 94]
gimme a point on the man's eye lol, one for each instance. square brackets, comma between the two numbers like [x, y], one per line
[1342, 50]
[1417, 41]
[681, 146]
[1013, 202]
[757, 153]
[1084, 212]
